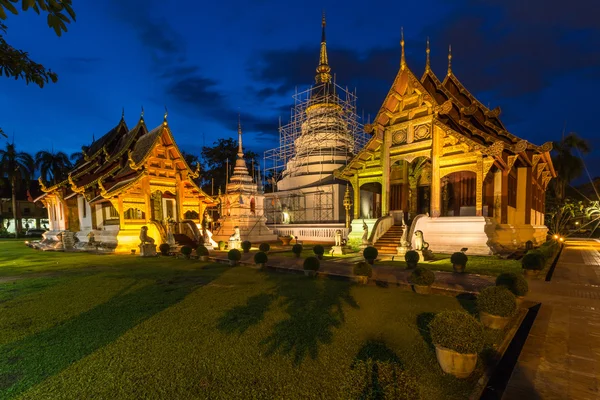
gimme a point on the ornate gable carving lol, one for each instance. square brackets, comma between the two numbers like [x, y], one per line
[422, 132]
[540, 168]
[511, 161]
[535, 159]
[399, 137]
[487, 165]
[496, 149]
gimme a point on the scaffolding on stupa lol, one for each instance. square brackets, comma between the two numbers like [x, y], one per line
[276, 159]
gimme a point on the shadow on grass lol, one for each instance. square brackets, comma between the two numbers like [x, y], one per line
[378, 373]
[468, 302]
[240, 318]
[315, 307]
[423, 321]
[29, 361]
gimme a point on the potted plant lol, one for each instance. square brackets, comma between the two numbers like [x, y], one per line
[311, 266]
[496, 306]
[164, 249]
[246, 246]
[319, 251]
[202, 253]
[412, 259]
[515, 283]
[458, 338]
[297, 250]
[532, 263]
[286, 239]
[363, 271]
[221, 245]
[186, 251]
[459, 261]
[421, 280]
[234, 256]
[370, 254]
[260, 259]
[264, 247]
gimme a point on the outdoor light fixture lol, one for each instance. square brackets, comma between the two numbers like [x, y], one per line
[562, 239]
[576, 222]
[555, 236]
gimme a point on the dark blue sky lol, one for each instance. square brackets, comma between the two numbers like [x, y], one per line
[538, 60]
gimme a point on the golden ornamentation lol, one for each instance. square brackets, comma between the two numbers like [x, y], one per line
[468, 110]
[520, 147]
[102, 188]
[42, 186]
[535, 159]
[85, 156]
[493, 113]
[546, 147]
[444, 108]
[369, 128]
[496, 149]
[195, 174]
[74, 186]
[540, 168]
[487, 165]
[399, 137]
[132, 163]
[105, 151]
[422, 132]
[511, 161]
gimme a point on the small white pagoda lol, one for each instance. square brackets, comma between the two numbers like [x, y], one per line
[242, 206]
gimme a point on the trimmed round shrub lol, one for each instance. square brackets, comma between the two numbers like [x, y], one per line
[186, 251]
[312, 264]
[261, 257]
[457, 331]
[264, 247]
[319, 250]
[246, 246]
[421, 276]
[234, 255]
[362, 268]
[548, 248]
[513, 282]
[221, 244]
[497, 300]
[201, 250]
[533, 260]
[411, 257]
[297, 249]
[164, 249]
[370, 253]
[459, 258]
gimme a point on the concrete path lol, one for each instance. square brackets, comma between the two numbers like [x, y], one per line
[561, 357]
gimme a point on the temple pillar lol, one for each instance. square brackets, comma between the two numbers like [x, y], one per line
[479, 188]
[523, 211]
[147, 201]
[121, 212]
[356, 193]
[498, 213]
[404, 186]
[435, 195]
[385, 176]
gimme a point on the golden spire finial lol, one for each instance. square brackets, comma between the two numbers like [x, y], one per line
[123, 113]
[142, 114]
[403, 58]
[427, 62]
[450, 60]
[240, 152]
[166, 114]
[323, 70]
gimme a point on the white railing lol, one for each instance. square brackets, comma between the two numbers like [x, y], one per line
[313, 232]
[381, 227]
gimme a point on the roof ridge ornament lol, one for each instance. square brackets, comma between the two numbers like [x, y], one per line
[427, 62]
[449, 60]
[123, 114]
[402, 57]
[165, 116]
[323, 70]
[142, 114]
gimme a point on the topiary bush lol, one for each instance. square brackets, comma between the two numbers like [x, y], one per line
[234, 255]
[497, 300]
[370, 253]
[362, 268]
[513, 282]
[201, 250]
[459, 258]
[319, 250]
[261, 258]
[533, 260]
[221, 245]
[246, 246]
[412, 258]
[186, 251]
[164, 249]
[421, 276]
[311, 264]
[297, 249]
[457, 331]
[264, 247]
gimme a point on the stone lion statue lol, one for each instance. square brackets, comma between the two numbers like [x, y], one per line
[144, 238]
[338, 237]
[420, 243]
[236, 234]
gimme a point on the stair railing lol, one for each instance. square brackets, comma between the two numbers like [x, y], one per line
[382, 225]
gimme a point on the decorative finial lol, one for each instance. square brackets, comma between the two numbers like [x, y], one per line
[166, 114]
[403, 58]
[123, 113]
[323, 70]
[427, 62]
[240, 152]
[142, 114]
[449, 59]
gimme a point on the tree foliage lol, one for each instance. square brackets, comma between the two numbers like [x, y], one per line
[53, 166]
[18, 167]
[567, 163]
[16, 63]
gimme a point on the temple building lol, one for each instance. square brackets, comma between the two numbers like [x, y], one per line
[241, 207]
[128, 179]
[438, 156]
[322, 136]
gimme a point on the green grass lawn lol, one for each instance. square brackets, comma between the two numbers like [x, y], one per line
[483, 265]
[87, 326]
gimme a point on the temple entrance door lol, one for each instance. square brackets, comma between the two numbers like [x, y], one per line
[157, 206]
[370, 200]
[169, 206]
[461, 194]
[423, 202]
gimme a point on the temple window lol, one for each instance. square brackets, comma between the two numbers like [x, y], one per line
[110, 213]
[191, 214]
[134, 213]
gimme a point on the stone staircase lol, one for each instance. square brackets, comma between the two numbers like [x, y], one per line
[390, 240]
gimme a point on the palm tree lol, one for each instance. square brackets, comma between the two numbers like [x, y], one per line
[18, 167]
[568, 166]
[53, 166]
